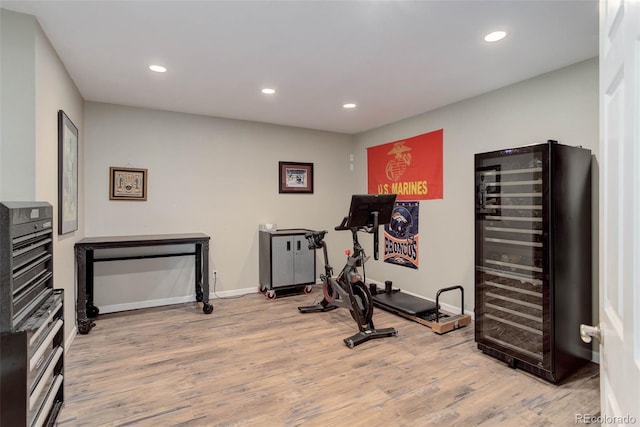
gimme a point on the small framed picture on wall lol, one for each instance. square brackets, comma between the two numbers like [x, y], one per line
[295, 177]
[127, 184]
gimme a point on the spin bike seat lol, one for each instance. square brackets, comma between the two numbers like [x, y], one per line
[315, 239]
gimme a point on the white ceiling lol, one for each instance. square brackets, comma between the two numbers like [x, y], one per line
[395, 59]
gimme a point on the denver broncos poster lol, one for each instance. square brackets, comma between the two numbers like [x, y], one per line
[401, 236]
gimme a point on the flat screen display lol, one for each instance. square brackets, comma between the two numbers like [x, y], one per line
[363, 206]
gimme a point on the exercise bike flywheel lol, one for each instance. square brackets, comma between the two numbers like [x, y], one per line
[364, 302]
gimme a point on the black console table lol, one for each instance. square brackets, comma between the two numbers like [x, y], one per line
[85, 309]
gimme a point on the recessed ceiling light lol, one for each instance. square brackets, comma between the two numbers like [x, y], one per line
[495, 36]
[349, 105]
[268, 91]
[157, 68]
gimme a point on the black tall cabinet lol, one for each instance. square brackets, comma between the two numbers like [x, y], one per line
[31, 318]
[533, 257]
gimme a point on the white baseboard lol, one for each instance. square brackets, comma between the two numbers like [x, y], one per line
[233, 293]
[104, 309]
[70, 338]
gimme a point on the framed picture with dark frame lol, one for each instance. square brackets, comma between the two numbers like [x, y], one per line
[67, 174]
[127, 184]
[295, 177]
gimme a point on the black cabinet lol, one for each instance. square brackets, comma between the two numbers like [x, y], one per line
[533, 257]
[31, 389]
[31, 318]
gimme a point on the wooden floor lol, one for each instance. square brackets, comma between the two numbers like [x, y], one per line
[255, 362]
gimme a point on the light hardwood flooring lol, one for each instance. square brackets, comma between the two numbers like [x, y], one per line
[255, 362]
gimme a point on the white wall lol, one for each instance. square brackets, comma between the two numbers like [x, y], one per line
[35, 85]
[210, 175]
[56, 91]
[561, 105]
[17, 105]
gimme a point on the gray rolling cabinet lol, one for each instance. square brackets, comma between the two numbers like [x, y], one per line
[286, 262]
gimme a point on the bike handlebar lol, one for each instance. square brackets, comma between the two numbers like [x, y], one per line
[343, 225]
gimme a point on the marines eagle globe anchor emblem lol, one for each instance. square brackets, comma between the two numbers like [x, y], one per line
[397, 166]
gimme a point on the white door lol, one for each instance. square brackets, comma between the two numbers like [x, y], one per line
[619, 246]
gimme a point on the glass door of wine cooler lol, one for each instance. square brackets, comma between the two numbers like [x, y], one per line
[512, 262]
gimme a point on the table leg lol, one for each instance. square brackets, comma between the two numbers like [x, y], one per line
[198, 272]
[84, 324]
[92, 310]
[206, 308]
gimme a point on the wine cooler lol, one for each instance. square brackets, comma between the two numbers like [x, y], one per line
[533, 257]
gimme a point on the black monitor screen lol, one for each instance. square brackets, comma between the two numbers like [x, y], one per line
[363, 205]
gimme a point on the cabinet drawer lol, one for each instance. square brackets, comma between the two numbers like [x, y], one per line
[39, 416]
[43, 319]
[41, 329]
[25, 257]
[44, 382]
[46, 347]
[29, 301]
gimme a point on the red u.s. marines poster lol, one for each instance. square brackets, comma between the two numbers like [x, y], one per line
[401, 236]
[410, 168]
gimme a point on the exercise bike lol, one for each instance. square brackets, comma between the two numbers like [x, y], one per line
[348, 290]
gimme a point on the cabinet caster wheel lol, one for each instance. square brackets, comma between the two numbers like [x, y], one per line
[261, 290]
[308, 289]
[92, 311]
[207, 308]
[271, 294]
